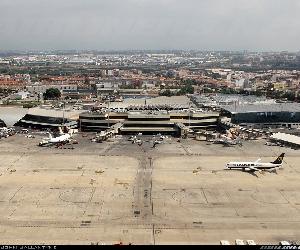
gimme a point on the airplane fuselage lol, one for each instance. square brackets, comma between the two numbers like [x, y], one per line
[249, 165]
[256, 165]
[61, 138]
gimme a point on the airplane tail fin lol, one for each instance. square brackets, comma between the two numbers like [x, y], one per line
[50, 136]
[279, 159]
[67, 130]
[60, 130]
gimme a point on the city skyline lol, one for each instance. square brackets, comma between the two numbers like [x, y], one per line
[268, 25]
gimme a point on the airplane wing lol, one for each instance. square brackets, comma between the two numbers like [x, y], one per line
[253, 169]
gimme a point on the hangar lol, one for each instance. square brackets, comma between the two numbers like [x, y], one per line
[10, 115]
[44, 117]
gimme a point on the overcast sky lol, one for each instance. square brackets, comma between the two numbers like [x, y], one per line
[150, 24]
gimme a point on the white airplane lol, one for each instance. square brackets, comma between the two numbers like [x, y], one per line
[132, 138]
[156, 142]
[228, 142]
[138, 141]
[64, 138]
[256, 165]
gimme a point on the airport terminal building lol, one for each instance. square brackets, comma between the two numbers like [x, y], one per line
[277, 115]
[165, 115]
[148, 123]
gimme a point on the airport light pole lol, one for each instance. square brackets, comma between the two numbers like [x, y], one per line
[145, 93]
[64, 106]
[189, 114]
[108, 112]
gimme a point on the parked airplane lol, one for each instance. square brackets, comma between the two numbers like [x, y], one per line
[6, 132]
[64, 138]
[228, 142]
[256, 165]
[137, 141]
[132, 138]
[156, 142]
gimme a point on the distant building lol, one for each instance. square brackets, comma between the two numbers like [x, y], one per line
[78, 94]
[41, 88]
[20, 95]
[182, 73]
[107, 87]
[110, 72]
[279, 85]
[239, 83]
[247, 83]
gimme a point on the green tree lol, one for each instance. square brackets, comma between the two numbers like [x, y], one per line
[166, 93]
[289, 96]
[186, 89]
[52, 94]
[216, 75]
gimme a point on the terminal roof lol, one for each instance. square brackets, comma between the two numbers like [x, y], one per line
[248, 108]
[287, 138]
